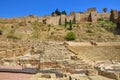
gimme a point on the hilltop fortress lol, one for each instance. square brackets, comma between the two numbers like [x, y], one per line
[91, 15]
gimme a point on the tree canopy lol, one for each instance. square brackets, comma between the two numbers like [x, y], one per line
[105, 10]
[58, 13]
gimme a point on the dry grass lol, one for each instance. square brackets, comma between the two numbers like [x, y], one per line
[83, 31]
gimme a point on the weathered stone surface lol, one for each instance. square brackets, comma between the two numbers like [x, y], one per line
[91, 10]
[109, 74]
[77, 18]
[93, 16]
[84, 17]
[72, 13]
[105, 16]
[71, 17]
[62, 19]
[115, 13]
[53, 20]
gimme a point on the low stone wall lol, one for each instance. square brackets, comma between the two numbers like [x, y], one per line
[109, 74]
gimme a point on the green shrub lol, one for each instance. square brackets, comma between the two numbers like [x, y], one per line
[70, 27]
[89, 31]
[100, 19]
[49, 25]
[12, 37]
[52, 33]
[1, 32]
[108, 25]
[70, 36]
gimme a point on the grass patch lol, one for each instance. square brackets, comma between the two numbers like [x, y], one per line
[108, 25]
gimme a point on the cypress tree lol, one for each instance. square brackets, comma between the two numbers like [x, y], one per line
[70, 28]
[65, 22]
[64, 12]
[112, 16]
[57, 12]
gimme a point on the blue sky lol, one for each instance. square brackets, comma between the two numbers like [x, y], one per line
[19, 8]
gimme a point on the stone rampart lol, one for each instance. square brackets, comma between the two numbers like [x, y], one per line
[62, 19]
[105, 16]
[53, 20]
[115, 13]
[84, 17]
[77, 18]
[91, 15]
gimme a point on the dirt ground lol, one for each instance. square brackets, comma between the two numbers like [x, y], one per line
[103, 51]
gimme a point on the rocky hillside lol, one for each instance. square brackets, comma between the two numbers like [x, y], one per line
[100, 31]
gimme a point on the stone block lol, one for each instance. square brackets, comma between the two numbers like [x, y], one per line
[77, 18]
[62, 19]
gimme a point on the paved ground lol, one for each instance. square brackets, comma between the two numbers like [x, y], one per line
[17, 69]
[14, 76]
[11, 67]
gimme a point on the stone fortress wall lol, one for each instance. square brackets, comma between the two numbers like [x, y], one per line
[91, 15]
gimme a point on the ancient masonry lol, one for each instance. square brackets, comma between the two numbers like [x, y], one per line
[91, 15]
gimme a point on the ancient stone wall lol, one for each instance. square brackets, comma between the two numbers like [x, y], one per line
[71, 17]
[40, 19]
[62, 19]
[30, 19]
[77, 18]
[84, 17]
[105, 16]
[91, 10]
[53, 20]
[72, 13]
[93, 16]
[9, 20]
[44, 19]
[115, 13]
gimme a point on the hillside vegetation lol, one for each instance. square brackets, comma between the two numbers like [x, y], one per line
[100, 31]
